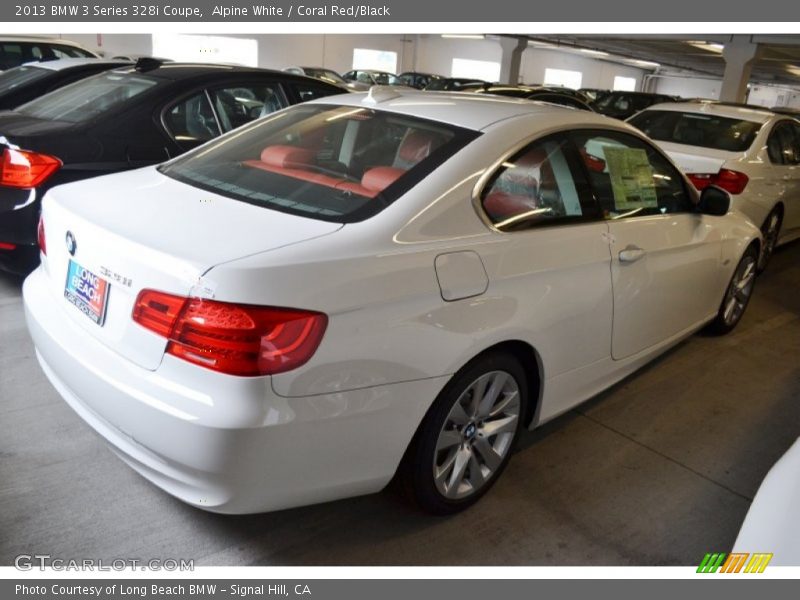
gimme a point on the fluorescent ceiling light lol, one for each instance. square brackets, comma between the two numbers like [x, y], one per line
[793, 69]
[646, 63]
[710, 46]
[593, 52]
[464, 36]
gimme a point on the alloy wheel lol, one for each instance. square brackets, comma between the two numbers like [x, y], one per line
[739, 291]
[770, 238]
[477, 435]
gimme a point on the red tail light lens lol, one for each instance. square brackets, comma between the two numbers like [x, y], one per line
[237, 339]
[24, 169]
[733, 182]
[40, 238]
[7, 246]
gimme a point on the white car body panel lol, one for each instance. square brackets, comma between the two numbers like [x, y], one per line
[769, 184]
[338, 425]
[771, 524]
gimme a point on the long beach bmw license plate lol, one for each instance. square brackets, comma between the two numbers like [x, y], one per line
[87, 291]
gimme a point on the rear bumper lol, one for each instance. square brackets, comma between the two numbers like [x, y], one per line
[19, 215]
[225, 444]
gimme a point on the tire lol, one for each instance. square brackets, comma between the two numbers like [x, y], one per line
[771, 230]
[737, 294]
[468, 444]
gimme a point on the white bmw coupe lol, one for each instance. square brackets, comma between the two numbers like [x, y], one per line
[373, 286]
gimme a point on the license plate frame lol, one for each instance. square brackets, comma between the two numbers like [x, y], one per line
[87, 291]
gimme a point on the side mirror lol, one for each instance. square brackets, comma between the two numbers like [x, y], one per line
[714, 201]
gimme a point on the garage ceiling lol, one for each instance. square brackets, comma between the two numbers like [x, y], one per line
[677, 53]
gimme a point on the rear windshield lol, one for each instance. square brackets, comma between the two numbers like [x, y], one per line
[19, 76]
[333, 163]
[697, 129]
[325, 74]
[85, 99]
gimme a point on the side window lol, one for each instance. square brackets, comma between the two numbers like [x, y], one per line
[363, 77]
[240, 104]
[536, 187]
[782, 145]
[191, 121]
[10, 56]
[629, 177]
[310, 91]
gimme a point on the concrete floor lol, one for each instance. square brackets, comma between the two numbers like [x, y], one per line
[657, 471]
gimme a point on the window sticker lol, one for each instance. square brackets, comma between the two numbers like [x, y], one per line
[631, 178]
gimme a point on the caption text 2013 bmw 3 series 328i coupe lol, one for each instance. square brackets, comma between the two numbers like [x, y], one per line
[378, 285]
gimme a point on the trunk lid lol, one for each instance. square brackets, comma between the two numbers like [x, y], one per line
[694, 159]
[141, 229]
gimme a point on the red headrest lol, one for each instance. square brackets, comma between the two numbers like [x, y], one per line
[592, 162]
[501, 205]
[378, 179]
[416, 146]
[286, 157]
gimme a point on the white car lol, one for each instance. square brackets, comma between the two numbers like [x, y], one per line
[771, 525]
[753, 154]
[376, 284]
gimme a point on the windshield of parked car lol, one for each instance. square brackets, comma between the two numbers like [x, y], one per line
[697, 129]
[85, 99]
[333, 163]
[325, 75]
[19, 76]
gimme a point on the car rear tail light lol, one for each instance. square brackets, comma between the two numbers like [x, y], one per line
[237, 339]
[40, 238]
[25, 169]
[7, 246]
[730, 181]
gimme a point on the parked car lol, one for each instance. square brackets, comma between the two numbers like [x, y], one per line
[594, 94]
[452, 84]
[752, 153]
[771, 524]
[326, 75]
[363, 79]
[541, 94]
[786, 110]
[18, 50]
[622, 105]
[417, 80]
[123, 119]
[27, 82]
[370, 286]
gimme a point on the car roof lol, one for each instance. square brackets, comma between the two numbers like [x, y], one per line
[66, 63]
[463, 109]
[732, 111]
[41, 39]
[176, 71]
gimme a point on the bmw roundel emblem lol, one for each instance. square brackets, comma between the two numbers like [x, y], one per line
[72, 245]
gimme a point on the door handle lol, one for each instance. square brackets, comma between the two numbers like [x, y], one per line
[631, 254]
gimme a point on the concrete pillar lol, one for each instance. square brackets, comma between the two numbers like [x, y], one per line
[740, 54]
[512, 58]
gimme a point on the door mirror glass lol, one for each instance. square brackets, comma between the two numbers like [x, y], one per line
[715, 201]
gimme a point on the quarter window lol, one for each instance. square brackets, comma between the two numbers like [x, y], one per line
[535, 187]
[629, 177]
[191, 122]
[238, 105]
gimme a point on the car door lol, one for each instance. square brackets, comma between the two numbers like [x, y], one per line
[557, 255]
[783, 171]
[665, 257]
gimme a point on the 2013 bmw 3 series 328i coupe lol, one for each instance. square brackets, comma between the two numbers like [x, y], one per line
[382, 285]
